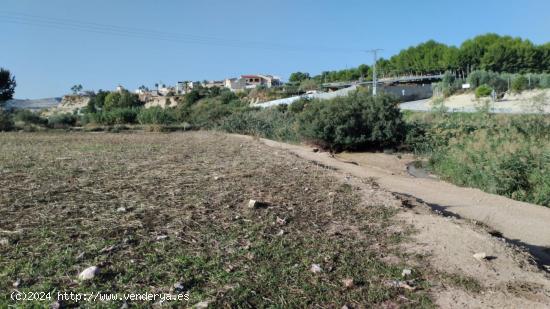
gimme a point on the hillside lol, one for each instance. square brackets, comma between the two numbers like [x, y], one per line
[529, 101]
[36, 104]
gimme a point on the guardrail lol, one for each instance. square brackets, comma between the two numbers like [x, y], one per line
[389, 80]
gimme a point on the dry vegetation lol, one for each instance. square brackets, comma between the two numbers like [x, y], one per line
[152, 210]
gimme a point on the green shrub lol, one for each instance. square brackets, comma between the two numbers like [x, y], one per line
[448, 85]
[111, 117]
[519, 83]
[27, 117]
[483, 91]
[119, 116]
[269, 123]
[156, 115]
[354, 122]
[298, 106]
[59, 121]
[227, 96]
[209, 113]
[283, 108]
[6, 121]
[498, 82]
[544, 81]
[502, 154]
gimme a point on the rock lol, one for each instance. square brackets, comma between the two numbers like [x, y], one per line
[16, 283]
[4, 242]
[217, 177]
[55, 305]
[252, 204]
[124, 306]
[315, 268]
[406, 272]
[88, 273]
[348, 283]
[331, 193]
[280, 233]
[121, 209]
[178, 287]
[281, 221]
[480, 256]
[202, 305]
[161, 237]
[401, 284]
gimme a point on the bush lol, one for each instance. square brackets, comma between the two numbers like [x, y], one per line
[118, 116]
[483, 91]
[227, 96]
[502, 154]
[298, 106]
[209, 113]
[156, 115]
[27, 117]
[6, 121]
[544, 81]
[272, 123]
[448, 85]
[350, 123]
[494, 80]
[111, 117]
[62, 121]
[519, 84]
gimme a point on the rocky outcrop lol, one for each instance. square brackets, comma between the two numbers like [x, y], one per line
[161, 101]
[70, 104]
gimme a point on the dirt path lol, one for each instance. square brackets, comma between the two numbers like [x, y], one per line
[508, 279]
[522, 223]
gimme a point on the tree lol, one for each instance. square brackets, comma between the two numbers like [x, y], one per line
[298, 77]
[471, 51]
[544, 52]
[76, 89]
[111, 101]
[425, 58]
[123, 99]
[7, 85]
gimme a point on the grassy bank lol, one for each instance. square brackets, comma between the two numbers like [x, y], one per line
[503, 154]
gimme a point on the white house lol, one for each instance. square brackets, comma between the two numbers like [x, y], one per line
[252, 81]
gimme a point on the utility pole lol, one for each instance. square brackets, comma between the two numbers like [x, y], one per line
[374, 52]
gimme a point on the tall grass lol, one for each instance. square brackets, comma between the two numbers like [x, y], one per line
[502, 154]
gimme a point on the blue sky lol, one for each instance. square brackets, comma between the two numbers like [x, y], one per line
[51, 45]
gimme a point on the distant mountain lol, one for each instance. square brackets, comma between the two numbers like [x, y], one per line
[37, 104]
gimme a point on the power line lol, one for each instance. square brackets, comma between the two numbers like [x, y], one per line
[72, 25]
